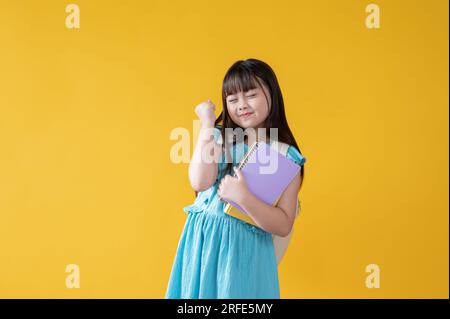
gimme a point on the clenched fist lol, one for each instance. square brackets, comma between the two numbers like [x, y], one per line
[205, 112]
[233, 188]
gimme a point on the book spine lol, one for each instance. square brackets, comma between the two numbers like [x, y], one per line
[247, 156]
[230, 209]
[241, 216]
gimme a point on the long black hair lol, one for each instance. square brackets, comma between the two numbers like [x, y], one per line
[245, 75]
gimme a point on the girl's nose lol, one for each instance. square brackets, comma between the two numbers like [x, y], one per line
[243, 106]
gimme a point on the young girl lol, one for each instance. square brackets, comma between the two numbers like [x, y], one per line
[220, 256]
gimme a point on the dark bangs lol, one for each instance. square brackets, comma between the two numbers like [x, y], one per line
[238, 79]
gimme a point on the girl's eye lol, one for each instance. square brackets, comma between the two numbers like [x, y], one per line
[232, 101]
[251, 95]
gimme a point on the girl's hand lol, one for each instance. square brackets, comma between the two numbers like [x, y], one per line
[233, 188]
[205, 112]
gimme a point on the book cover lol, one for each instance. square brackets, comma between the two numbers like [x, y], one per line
[267, 174]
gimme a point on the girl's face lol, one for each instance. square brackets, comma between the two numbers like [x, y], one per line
[249, 109]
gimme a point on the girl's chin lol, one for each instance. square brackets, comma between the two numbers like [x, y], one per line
[250, 122]
[246, 125]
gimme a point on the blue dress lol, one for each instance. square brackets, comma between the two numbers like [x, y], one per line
[219, 256]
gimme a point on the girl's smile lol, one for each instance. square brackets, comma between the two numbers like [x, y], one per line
[246, 115]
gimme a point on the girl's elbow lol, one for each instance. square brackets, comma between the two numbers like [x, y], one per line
[285, 231]
[197, 186]
[282, 234]
[200, 183]
[200, 186]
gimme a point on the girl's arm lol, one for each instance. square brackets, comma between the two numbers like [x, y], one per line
[276, 220]
[203, 167]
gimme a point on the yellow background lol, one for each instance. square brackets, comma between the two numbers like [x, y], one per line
[85, 118]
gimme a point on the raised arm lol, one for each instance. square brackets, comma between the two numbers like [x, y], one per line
[203, 167]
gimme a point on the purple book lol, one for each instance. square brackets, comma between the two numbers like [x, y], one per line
[267, 174]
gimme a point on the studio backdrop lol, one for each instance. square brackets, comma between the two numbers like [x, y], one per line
[91, 92]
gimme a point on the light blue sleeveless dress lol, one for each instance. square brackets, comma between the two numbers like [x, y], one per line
[219, 256]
